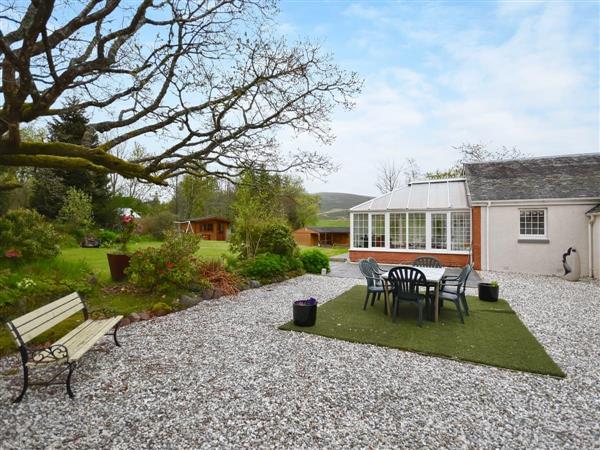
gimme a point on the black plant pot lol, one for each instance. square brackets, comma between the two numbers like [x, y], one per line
[305, 315]
[488, 292]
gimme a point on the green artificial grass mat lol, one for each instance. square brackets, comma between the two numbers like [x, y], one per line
[492, 335]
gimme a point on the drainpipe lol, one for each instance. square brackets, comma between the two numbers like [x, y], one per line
[591, 219]
[487, 235]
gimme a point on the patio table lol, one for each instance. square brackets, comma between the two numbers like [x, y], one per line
[434, 276]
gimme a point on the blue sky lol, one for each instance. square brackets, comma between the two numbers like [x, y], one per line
[514, 73]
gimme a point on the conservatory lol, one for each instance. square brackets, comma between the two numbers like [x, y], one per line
[424, 218]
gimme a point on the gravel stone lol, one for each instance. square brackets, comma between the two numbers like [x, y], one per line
[221, 375]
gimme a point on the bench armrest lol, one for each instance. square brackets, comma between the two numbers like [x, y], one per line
[101, 313]
[49, 354]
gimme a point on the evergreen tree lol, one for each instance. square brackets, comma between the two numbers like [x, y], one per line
[52, 184]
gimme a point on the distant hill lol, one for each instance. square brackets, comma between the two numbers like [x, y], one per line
[335, 205]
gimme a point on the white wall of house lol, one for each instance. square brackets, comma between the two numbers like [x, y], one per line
[506, 250]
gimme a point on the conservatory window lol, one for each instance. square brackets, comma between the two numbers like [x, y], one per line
[417, 231]
[361, 231]
[439, 234]
[378, 230]
[397, 230]
[461, 231]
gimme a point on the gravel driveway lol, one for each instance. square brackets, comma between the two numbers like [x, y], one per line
[221, 375]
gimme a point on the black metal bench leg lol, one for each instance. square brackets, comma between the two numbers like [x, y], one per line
[25, 384]
[115, 334]
[69, 391]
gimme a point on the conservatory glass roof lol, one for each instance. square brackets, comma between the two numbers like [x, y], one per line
[421, 195]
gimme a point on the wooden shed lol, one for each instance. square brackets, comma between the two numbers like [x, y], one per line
[323, 236]
[211, 228]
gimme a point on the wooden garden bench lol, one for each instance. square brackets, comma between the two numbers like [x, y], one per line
[68, 350]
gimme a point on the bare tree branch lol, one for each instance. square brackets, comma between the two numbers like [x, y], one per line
[204, 85]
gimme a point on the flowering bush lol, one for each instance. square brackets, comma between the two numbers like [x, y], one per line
[169, 266]
[128, 226]
[25, 235]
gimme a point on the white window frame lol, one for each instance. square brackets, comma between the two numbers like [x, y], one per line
[543, 236]
[406, 249]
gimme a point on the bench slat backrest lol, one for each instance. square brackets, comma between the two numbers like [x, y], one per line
[42, 319]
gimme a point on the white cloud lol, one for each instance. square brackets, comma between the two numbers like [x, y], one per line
[533, 86]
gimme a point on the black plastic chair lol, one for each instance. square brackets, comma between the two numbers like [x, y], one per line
[453, 289]
[374, 283]
[427, 261]
[404, 284]
[375, 266]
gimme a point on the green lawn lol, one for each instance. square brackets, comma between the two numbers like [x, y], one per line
[493, 334]
[95, 258]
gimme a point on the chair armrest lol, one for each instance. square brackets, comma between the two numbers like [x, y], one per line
[450, 278]
[49, 354]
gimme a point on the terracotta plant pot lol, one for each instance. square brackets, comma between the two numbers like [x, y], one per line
[117, 265]
[488, 292]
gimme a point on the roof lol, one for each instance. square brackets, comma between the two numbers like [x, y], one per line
[594, 210]
[202, 219]
[421, 195]
[334, 230]
[554, 177]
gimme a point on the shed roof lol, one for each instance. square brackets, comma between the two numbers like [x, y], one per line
[554, 177]
[202, 219]
[334, 230]
[421, 195]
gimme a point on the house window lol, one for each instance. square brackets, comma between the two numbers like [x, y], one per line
[532, 223]
[461, 231]
[439, 235]
[360, 229]
[378, 230]
[206, 227]
[417, 231]
[397, 230]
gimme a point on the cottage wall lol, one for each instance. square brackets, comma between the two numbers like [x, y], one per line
[503, 251]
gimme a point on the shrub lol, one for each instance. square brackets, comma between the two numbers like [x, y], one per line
[265, 267]
[294, 264]
[25, 235]
[107, 237]
[169, 266]
[77, 211]
[314, 260]
[158, 224]
[277, 239]
[249, 240]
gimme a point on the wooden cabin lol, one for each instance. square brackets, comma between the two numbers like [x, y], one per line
[211, 228]
[323, 236]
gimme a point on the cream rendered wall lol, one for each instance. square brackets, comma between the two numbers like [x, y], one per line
[567, 226]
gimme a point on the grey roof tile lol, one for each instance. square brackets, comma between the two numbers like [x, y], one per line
[568, 176]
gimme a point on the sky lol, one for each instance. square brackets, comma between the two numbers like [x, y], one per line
[519, 74]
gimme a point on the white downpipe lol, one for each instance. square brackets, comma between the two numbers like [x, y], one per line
[591, 246]
[487, 236]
